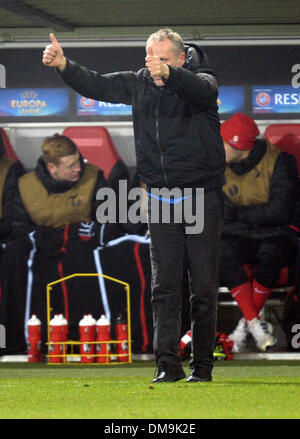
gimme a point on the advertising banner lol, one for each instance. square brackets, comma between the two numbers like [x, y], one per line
[34, 102]
[91, 107]
[231, 99]
[275, 99]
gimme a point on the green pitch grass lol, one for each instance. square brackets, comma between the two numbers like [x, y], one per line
[240, 389]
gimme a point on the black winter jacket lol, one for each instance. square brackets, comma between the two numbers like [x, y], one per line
[176, 127]
[9, 190]
[269, 219]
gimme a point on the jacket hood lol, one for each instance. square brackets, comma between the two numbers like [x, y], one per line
[54, 186]
[255, 156]
[197, 60]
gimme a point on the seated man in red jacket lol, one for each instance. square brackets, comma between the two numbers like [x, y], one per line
[261, 187]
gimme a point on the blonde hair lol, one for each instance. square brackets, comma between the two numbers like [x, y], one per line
[56, 147]
[174, 37]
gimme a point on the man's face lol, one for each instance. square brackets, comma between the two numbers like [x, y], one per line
[234, 155]
[164, 50]
[68, 169]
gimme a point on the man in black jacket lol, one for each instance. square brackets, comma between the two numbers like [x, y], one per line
[178, 145]
[10, 171]
[261, 189]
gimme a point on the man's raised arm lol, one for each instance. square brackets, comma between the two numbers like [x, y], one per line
[53, 55]
[112, 87]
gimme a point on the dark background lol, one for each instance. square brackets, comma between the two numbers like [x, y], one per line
[234, 65]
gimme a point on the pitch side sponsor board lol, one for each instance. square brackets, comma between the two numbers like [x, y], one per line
[91, 107]
[22, 102]
[275, 99]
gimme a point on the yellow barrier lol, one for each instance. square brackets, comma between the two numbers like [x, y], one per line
[72, 343]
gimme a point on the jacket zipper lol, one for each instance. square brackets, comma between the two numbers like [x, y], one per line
[158, 143]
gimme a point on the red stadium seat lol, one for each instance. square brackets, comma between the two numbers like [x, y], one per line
[96, 145]
[286, 137]
[4, 141]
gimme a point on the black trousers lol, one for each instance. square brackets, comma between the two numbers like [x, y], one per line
[169, 242]
[268, 255]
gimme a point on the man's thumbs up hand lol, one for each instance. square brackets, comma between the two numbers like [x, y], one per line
[53, 55]
[157, 68]
[54, 40]
[150, 51]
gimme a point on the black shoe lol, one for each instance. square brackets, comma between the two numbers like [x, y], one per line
[169, 373]
[198, 376]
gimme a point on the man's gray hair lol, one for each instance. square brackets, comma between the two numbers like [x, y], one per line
[164, 34]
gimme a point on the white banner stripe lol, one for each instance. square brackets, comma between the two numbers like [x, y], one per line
[101, 281]
[136, 238]
[29, 283]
